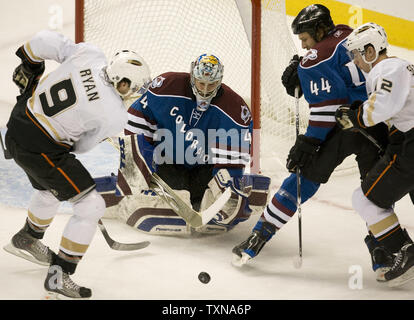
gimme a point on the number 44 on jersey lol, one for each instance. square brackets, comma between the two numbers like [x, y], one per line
[325, 86]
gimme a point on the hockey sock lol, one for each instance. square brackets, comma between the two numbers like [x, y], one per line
[283, 205]
[35, 231]
[67, 262]
[393, 240]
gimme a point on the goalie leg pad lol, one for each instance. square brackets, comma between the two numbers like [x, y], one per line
[134, 173]
[105, 184]
[260, 192]
[106, 187]
[156, 217]
[161, 221]
[148, 213]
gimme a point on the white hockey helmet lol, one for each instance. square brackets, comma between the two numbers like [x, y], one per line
[205, 76]
[127, 64]
[369, 33]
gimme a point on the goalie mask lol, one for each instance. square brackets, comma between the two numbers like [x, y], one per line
[205, 76]
[128, 66]
[367, 34]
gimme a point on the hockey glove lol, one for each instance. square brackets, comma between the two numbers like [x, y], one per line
[240, 185]
[302, 152]
[349, 116]
[290, 78]
[27, 75]
[236, 206]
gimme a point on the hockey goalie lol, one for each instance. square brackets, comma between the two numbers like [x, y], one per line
[184, 152]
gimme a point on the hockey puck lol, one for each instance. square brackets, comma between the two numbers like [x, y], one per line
[204, 277]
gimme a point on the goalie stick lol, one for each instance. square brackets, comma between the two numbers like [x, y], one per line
[194, 218]
[115, 245]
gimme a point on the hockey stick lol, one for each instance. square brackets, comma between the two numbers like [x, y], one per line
[180, 207]
[194, 218]
[115, 245]
[6, 152]
[298, 261]
[370, 138]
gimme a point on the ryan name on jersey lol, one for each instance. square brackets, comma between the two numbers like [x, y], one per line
[89, 84]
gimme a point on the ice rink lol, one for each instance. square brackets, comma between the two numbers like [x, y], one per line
[336, 263]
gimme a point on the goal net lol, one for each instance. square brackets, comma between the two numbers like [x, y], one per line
[251, 38]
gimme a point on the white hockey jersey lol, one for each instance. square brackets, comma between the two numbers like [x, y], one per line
[74, 103]
[390, 86]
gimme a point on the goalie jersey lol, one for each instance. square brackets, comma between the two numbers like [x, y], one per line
[168, 118]
[74, 106]
[329, 79]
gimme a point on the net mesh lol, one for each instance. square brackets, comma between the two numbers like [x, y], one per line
[169, 34]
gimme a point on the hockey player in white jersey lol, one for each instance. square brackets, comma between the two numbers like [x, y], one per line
[390, 87]
[71, 109]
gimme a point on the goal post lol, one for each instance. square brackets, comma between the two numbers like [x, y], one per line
[256, 37]
[251, 38]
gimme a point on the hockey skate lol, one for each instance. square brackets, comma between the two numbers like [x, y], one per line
[381, 259]
[59, 286]
[27, 247]
[403, 269]
[248, 249]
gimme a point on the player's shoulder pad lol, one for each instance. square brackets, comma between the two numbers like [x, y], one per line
[326, 48]
[172, 84]
[391, 69]
[393, 64]
[231, 104]
[89, 51]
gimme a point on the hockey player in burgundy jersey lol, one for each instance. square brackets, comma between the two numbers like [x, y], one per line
[194, 132]
[327, 78]
[390, 85]
[70, 110]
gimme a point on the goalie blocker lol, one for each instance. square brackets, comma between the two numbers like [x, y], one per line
[131, 198]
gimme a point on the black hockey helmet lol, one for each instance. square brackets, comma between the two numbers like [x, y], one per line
[311, 18]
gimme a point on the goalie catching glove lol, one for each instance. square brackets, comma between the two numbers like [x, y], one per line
[302, 152]
[27, 75]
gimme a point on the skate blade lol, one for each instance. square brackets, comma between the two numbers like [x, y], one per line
[51, 295]
[404, 278]
[240, 261]
[22, 254]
